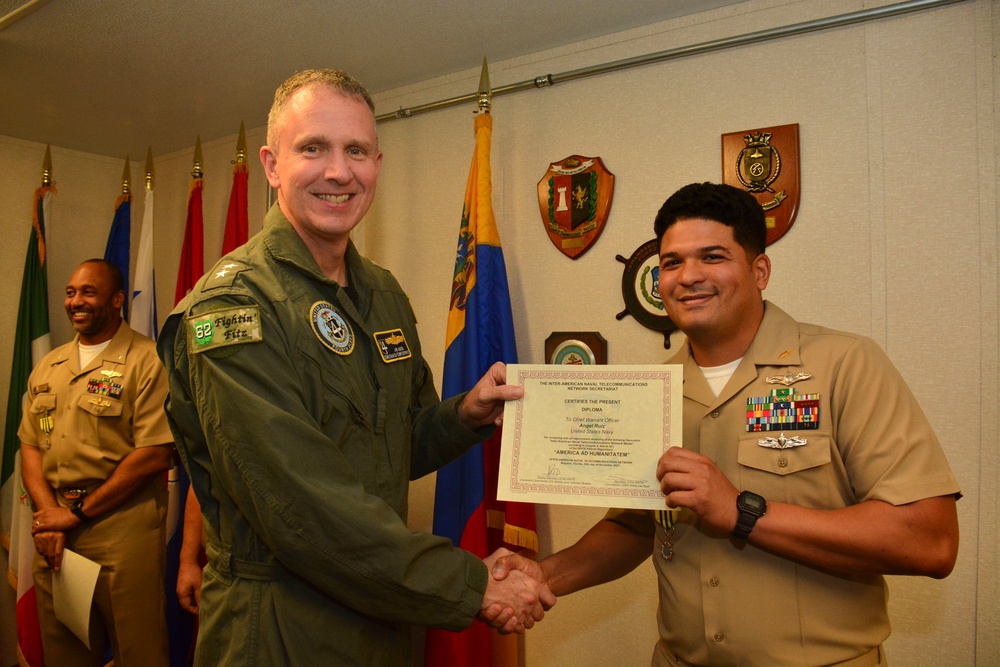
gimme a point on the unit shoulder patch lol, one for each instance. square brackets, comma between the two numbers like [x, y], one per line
[223, 327]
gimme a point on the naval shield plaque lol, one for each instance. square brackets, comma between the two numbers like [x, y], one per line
[574, 197]
[765, 163]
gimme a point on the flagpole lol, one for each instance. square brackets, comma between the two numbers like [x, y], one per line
[47, 167]
[150, 177]
[485, 93]
[196, 166]
[241, 145]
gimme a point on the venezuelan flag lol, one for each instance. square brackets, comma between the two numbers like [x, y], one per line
[480, 333]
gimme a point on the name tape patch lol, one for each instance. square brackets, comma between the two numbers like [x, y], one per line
[227, 326]
[392, 345]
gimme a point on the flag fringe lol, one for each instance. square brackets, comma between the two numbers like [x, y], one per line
[196, 183]
[240, 168]
[524, 538]
[521, 537]
[122, 199]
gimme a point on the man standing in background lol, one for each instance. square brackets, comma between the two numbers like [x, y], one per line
[94, 446]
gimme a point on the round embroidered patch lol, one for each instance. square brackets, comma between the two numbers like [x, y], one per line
[331, 328]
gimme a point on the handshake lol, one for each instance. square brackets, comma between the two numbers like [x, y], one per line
[517, 593]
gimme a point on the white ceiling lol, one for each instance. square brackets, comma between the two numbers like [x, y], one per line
[112, 77]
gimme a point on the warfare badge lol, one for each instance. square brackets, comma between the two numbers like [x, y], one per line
[765, 163]
[574, 197]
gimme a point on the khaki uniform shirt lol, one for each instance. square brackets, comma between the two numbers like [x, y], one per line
[301, 415]
[99, 414]
[724, 604]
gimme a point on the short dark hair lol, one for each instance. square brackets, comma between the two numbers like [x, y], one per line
[115, 273]
[722, 203]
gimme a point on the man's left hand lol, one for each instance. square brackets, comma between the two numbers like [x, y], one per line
[53, 518]
[483, 405]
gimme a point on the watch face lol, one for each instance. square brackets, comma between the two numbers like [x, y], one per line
[752, 503]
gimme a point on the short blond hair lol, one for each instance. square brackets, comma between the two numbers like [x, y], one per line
[333, 79]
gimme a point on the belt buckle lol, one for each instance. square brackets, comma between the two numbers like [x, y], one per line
[73, 493]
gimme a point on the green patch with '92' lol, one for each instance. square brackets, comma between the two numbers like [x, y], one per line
[224, 327]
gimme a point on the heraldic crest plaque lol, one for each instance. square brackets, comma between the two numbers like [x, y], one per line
[574, 197]
[765, 163]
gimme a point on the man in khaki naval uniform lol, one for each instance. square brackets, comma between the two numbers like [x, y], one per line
[785, 528]
[94, 446]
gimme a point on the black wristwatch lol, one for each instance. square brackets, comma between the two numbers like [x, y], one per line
[750, 507]
[77, 509]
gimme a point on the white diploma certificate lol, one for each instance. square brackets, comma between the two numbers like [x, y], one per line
[73, 593]
[589, 435]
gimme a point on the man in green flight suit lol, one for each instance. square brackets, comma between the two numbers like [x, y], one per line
[302, 406]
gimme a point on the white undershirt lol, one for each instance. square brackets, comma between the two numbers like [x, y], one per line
[89, 352]
[718, 376]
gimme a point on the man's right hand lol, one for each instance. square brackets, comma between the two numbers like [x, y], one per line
[519, 597]
[50, 545]
[189, 586]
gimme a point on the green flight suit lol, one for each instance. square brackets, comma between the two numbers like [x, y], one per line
[301, 415]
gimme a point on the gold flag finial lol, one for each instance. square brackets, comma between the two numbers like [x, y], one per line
[485, 92]
[126, 178]
[241, 145]
[47, 168]
[149, 168]
[196, 169]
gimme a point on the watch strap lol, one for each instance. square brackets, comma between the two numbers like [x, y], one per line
[77, 509]
[744, 524]
[747, 514]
